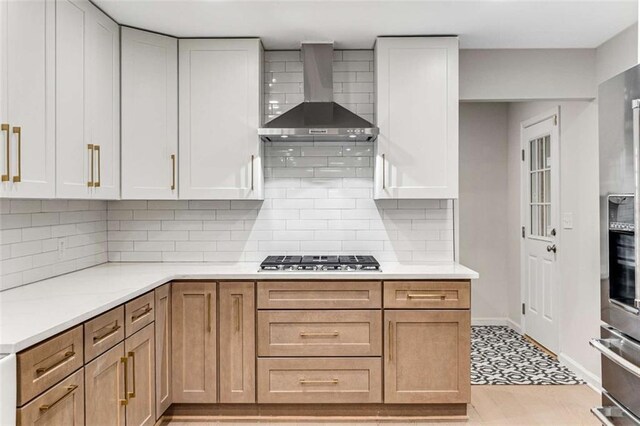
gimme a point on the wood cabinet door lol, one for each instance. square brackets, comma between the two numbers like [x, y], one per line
[220, 158]
[427, 357]
[193, 331]
[73, 158]
[27, 50]
[103, 99]
[417, 113]
[237, 348]
[105, 388]
[141, 386]
[149, 115]
[163, 348]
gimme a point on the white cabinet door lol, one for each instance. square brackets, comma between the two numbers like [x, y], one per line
[103, 97]
[220, 104]
[87, 102]
[149, 115]
[27, 99]
[72, 138]
[417, 113]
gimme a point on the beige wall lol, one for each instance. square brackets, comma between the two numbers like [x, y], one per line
[617, 54]
[578, 248]
[483, 203]
[527, 74]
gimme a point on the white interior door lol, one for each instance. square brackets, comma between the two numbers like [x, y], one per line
[540, 178]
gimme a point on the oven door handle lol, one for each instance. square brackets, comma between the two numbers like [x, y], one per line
[635, 105]
[630, 309]
[603, 346]
[617, 410]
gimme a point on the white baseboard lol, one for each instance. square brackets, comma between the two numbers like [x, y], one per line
[488, 321]
[514, 325]
[592, 380]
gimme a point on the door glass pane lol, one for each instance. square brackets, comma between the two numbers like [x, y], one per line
[534, 187]
[534, 220]
[540, 186]
[547, 218]
[533, 159]
[547, 186]
[547, 152]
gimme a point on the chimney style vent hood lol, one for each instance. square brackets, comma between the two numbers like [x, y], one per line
[318, 118]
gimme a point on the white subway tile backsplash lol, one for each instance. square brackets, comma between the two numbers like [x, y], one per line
[33, 229]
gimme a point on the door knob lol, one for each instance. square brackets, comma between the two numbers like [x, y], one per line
[552, 248]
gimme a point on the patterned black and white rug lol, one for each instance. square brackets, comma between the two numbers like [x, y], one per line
[501, 356]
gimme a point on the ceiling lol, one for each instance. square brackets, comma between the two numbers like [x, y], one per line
[481, 24]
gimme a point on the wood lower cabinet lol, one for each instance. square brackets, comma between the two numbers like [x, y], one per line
[193, 309]
[105, 388]
[427, 357]
[63, 404]
[163, 348]
[237, 342]
[141, 389]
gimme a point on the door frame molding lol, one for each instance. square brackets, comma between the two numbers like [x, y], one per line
[548, 114]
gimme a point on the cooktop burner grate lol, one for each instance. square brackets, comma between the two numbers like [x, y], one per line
[320, 263]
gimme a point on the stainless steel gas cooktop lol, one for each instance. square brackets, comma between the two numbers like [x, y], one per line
[320, 263]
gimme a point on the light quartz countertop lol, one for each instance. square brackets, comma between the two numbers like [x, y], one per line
[35, 312]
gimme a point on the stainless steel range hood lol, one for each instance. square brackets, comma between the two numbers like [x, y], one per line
[318, 118]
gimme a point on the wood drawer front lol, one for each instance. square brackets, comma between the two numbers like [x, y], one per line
[103, 332]
[319, 333]
[139, 313]
[63, 404]
[319, 380]
[319, 295]
[427, 294]
[44, 365]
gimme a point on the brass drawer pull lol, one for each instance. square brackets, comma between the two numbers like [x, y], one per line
[109, 331]
[47, 407]
[90, 183]
[123, 360]
[440, 296]
[67, 356]
[319, 334]
[5, 128]
[390, 341]
[99, 181]
[252, 157]
[133, 375]
[319, 382]
[209, 312]
[173, 175]
[18, 131]
[136, 317]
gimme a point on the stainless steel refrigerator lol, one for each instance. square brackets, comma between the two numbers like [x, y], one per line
[619, 345]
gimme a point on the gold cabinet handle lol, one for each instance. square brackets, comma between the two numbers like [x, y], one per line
[146, 311]
[109, 332]
[252, 157]
[18, 131]
[384, 177]
[237, 308]
[132, 355]
[173, 175]
[90, 182]
[209, 312]
[96, 148]
[47, 407]
[5, 128]
[440, 296]
[67, 356]
[319, 334]
[123, 360]
[390, 341]
[319, 382]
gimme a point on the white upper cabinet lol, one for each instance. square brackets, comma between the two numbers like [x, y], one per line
[417, 113]
[87, 102]
[149, 115]
[27, 57]
[220, 113]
